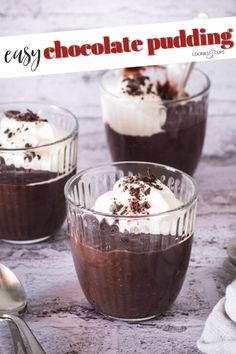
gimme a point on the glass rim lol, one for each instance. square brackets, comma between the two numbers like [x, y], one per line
[177, 100]
[51, 106]
[191, 201]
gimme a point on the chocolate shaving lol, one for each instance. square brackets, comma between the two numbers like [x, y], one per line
[27, 145]
[149, 88]
[11, 114]
[134, 85]
[152, 181]
[147, 191]
[138, 188]
[124, 211]
[166, 90]
[28, 116]
[141, 79]
[146, 205]
[135, 192]
[115, 208]
[29, 155]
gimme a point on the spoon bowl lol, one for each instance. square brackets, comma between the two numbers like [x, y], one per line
[12, 294]
[231, 250]
[13, 301]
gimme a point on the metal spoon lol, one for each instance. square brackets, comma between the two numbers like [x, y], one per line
[189, 66]
[231, 250]
[13, 301]
[183, 82]
[19, 345]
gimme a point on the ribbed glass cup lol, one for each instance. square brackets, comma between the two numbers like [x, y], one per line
[131, 124]
[32, 180]
[130, 267]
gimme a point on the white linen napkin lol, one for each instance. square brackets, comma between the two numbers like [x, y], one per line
[219, 334]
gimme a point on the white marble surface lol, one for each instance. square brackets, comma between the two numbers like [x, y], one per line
[58, 312]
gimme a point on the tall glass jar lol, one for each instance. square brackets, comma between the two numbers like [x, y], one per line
[143, 130]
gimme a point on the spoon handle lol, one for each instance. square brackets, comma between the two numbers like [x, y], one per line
[188, 69]
[35, 346]
[19, 345]
[17, 339]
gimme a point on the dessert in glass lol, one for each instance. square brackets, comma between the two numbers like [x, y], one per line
[147, 118]
[131, 227]
[38, 148]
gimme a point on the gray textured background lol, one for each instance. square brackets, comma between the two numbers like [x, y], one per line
[58, 311]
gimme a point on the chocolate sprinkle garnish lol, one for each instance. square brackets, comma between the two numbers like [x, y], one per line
[152, 181]
[166, 90]
[134, 85]
[141, 79]
[11, 114]
[147, 191]
[30, 155]
[115, 208]
[146, 205]
[28, 116]
[123, 211]
[149, 88]
[138, 188]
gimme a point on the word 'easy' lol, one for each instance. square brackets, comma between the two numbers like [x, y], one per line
[25, 57]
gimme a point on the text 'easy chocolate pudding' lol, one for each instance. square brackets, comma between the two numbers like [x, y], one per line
[131, 263]
[36, 160]
[146, 120]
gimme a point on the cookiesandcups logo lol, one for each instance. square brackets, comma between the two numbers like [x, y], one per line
[210, 54]
[223, 39]
[118, 47]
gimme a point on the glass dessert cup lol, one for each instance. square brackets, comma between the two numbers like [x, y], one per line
[32, 179]
[130, 267]
[134, 135]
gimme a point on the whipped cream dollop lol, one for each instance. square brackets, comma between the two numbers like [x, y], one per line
[28, 131]
[133, 106]
[23, 130]
[140, 196]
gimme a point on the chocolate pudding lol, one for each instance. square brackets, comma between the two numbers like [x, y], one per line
[180, 148]
[132, 264]
[131, 277]
[32, 203]
[33, 171]
[145, 120]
